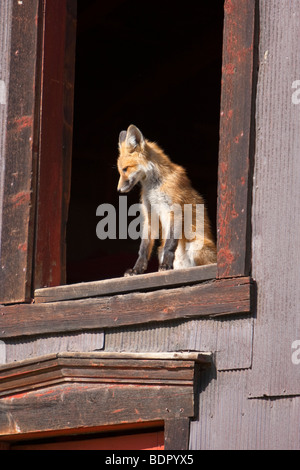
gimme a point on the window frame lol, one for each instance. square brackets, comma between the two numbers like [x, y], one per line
[232, 285]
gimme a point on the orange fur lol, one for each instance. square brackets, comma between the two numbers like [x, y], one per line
[163, 184]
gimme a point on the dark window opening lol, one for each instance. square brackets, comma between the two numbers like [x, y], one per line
[156, 65]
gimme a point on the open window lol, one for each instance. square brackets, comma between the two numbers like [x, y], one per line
[157, 66]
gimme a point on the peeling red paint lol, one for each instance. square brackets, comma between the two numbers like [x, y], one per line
[228, 7]
[234, 213]
[225, 258]
[223, 166]
[23, 122]
[229, 69]
[238, 137]
[241, 55]
[20, 198]
[22, 247]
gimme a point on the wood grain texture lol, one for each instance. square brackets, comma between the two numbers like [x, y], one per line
[143, 282]
[99, 389]
[17, 349]
[102, 368]
[217, 298]
[69, 407]
[235, 150]
[257, 424]
[230, 339]
[19, 157]
[55, 135]
[5, 40]
[276, 202]
[177, 434]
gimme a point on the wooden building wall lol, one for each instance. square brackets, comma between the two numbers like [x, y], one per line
[5, 37]
[250, 397]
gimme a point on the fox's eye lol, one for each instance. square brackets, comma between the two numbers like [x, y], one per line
[125, 169]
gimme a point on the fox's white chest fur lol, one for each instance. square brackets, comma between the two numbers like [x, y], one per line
[159, 204]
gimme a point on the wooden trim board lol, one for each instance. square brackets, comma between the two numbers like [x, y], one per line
[144, 282]
[216, 298]
[67, 391]
[176, 369]
[237, 138]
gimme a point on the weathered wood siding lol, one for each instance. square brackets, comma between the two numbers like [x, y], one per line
[229, 420]
[261, 406]
[276, 202]
[18, 156]
[18, 349]
[229, 340]
[5, 38]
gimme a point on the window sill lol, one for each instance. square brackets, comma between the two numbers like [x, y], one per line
[123, 285]
[210, 299]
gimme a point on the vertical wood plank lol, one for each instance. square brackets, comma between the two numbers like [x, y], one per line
[234, 185]
[276, 202]
[19, 157]
[5, 39]
[55, 141]
[177, 434]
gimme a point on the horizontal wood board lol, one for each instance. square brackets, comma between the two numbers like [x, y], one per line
[27, 347]
[131, 388]
[69, 407]
[103, 368]
[217, 298]
[229, 338]
[121, 285]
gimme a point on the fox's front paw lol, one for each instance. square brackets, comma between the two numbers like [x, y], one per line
[132, 272]
[165, 267]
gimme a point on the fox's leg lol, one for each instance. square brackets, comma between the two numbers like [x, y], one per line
[141, 265]
[146, 248]
[169, 248]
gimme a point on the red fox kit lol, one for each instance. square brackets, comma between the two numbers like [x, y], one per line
[166, 192]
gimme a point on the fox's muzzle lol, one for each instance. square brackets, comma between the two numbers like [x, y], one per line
[125, 187]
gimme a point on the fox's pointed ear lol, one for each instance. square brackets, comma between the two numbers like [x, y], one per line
[122, 137]
[134, 138]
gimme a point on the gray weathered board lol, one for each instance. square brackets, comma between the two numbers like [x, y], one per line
[121, 285]
[276, 202]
